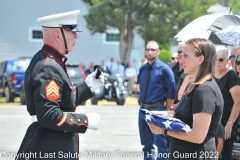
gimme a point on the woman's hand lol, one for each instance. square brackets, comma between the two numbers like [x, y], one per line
[173, 107]
[155, 129]
[228, 131]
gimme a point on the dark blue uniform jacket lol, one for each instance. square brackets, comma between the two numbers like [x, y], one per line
[50, 96]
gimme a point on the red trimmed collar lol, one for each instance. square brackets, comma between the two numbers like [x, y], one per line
[55, 53]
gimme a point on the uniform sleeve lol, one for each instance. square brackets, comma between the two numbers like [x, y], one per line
[170, 84]
[83, 93]
[48, 87]
[204, 100]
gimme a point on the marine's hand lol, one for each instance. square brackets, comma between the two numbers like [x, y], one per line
[94, 83]
[94, 120]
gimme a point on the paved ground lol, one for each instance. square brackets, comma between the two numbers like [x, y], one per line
[117, 137]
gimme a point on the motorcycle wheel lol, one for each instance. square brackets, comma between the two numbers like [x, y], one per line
[94, 100]
[121, 100]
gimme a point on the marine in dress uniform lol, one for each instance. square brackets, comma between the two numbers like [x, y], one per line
[52, 99]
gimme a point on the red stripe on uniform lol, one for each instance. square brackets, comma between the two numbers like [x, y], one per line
[63, 120]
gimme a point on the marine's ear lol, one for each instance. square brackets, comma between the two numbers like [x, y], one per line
[56, 35]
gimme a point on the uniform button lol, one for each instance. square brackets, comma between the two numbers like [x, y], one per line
[71, 120]
[65, 131]
[79, 120]
[85, 121]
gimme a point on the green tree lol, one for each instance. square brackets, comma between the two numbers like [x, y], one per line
[235, 6]
[169, 17]
[123, 15]
[165, 55]
[157, 20]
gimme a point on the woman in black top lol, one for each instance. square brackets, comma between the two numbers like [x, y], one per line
[236, 144]
[200, 107]
[228, 83]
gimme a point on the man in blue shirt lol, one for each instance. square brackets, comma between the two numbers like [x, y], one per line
[157, 92]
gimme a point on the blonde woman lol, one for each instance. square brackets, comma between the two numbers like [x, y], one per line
[200, 107]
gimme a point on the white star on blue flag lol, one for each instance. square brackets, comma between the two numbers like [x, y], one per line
[164, 122]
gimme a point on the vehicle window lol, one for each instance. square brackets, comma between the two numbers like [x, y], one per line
[18, 65]
[75, 75]
[74, 72]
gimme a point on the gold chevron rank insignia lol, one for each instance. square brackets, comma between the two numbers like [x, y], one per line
[52, 90]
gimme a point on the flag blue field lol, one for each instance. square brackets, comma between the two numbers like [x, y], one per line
[164, 122]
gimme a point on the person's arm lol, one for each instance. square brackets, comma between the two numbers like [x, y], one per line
[49, 108]
[137, 88]
[169, 103]
[137, 83]
[220, 145]
[185, 82]
[235, 92]
[174, 106]
[171, 92]
[201, 123]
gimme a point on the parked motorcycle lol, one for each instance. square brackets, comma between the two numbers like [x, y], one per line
[115, 89]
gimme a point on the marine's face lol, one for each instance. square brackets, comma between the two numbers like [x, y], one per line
[71, 38]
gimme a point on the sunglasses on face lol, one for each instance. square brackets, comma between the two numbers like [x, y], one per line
[150, 49]
[237, 62]
[221, 59]
[179, 52]
[173, 58]
[232, 57]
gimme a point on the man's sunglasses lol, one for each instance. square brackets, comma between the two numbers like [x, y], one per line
[150, 49]
[179, 52]
[221, 59]
[237, 62]
[173, 58]
[233, 56]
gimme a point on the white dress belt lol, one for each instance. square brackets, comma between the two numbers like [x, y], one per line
[34, 117]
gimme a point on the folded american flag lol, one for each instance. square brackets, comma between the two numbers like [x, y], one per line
[164, 122]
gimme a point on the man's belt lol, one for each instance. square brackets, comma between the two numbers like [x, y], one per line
[152, 105]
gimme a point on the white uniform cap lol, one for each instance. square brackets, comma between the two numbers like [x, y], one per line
[66, 20]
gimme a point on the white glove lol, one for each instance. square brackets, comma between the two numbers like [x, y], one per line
[94, 83]
[94, 120]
